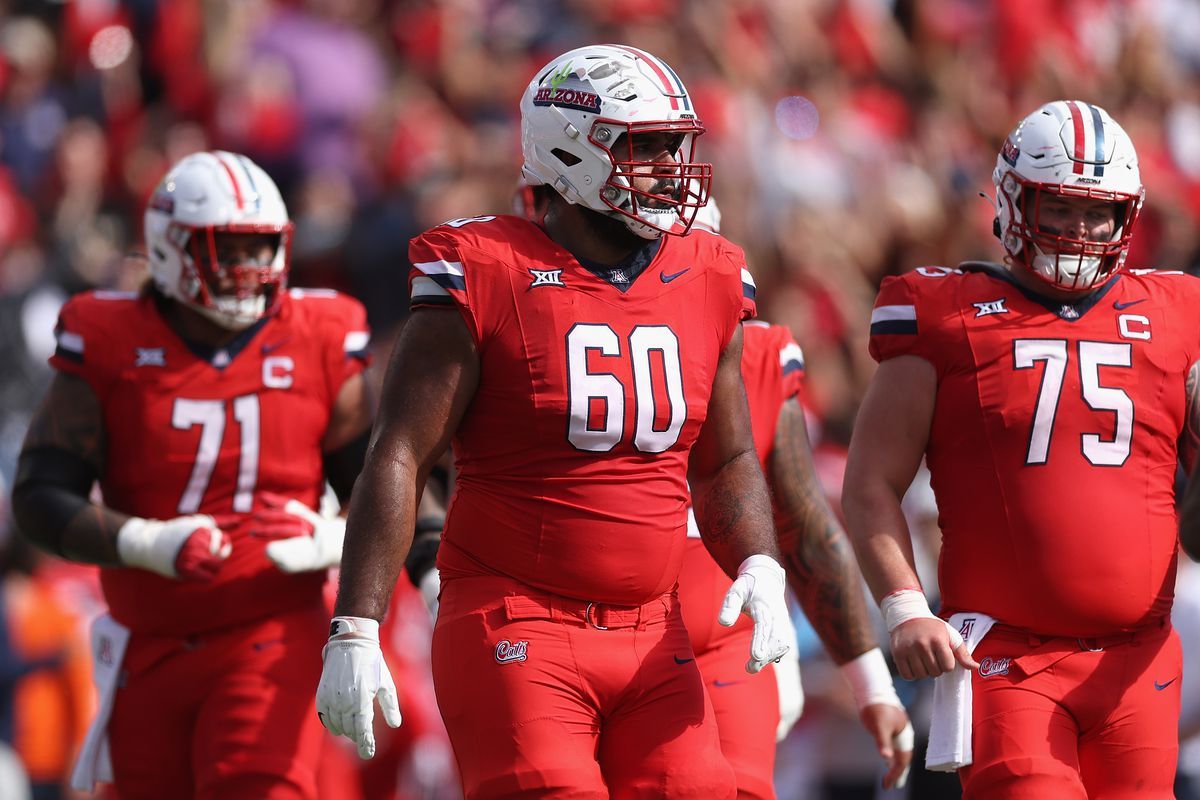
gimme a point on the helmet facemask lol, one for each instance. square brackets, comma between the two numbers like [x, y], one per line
[233, 273]
[681, 186]
[1065, 261]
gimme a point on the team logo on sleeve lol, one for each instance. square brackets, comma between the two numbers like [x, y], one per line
[990, 307]
[546, 277]
[149, 357]
[508, 652]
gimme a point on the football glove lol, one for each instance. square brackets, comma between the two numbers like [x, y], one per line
[758, 592]
[305, 541]
[188, 548]
[353, 678]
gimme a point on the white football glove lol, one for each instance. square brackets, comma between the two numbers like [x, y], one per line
[758, 592]
[791, 691]
[353, 678]
[188, 548]
[318, 545]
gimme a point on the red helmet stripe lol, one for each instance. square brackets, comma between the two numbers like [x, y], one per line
[668, 89]
[237, 189]
[1080, 135]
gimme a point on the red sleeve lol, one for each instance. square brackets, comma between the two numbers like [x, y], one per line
[895, 321]
[347, 354]
[438, 278]
[81, 344]
[791, 364]
[749, 306]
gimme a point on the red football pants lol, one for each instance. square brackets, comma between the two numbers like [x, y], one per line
[546, 696]
[1053, 718]
[746, 706]
[229, 715]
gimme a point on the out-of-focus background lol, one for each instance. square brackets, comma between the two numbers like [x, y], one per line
[851, 140]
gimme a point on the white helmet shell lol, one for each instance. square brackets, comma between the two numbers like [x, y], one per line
[202, 196]
[1067, 148]
[573, 113]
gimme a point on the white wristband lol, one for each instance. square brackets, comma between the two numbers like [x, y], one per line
[154, 544]
[870, 680]
[354, 628]
[906, 605]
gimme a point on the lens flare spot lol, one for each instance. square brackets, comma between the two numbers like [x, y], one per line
[797, 117]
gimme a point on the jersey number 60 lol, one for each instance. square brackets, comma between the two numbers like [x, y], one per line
[647, 343]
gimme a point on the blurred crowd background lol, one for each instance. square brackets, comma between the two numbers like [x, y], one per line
[851, 140]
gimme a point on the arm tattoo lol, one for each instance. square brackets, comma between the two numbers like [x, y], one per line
[820, 564]
[1189, 442]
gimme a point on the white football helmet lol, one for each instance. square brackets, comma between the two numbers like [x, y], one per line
[204, 196]
[1067, 148]
[572, 114]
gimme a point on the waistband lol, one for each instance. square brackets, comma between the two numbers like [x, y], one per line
[1049, 650]
[522, 602]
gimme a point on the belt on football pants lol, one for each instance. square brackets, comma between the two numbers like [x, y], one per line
[1048, 651]
[601, 616]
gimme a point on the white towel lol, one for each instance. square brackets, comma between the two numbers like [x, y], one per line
[109, 638]
[950, 725]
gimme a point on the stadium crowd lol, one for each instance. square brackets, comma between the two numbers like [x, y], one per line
[851, 140]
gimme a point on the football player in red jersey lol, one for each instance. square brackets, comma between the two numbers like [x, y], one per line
[819, 566]
[1047, 395]
[212, 407]
[584, 371]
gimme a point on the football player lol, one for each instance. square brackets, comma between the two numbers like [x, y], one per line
[1047, 394]
[819, 566]
[582, 371]
[211, 406]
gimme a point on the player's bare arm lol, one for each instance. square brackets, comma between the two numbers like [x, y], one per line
[819, 560]
[429, 383]
[890, 436]
[728, 489]
[822, 572]
[346, 438]
[62, 456]
[1189, 446]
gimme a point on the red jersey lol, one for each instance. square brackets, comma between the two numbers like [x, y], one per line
[206, 432]
[572, 457]
[1053, 444]
[773, 371]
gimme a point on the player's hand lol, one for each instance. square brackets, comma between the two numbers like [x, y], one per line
[353, 678]
[305, 541]
[758, 592]
[188, 548]
[928, 647]
[893, 735]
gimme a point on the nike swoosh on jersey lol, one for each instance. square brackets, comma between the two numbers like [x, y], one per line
[679, 660]
[720, 684]
[668, 278]
[270, 347]
[1161, 686]
[1118, 305]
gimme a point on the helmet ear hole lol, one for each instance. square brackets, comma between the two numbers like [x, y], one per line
[996, 227]
[568, 159]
